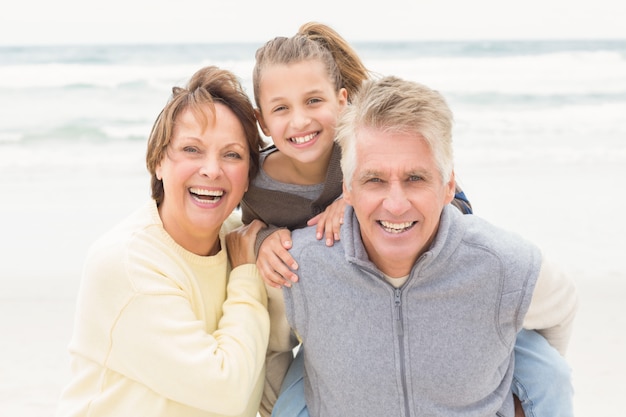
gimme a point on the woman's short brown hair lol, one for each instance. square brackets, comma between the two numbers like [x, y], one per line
[207, 86]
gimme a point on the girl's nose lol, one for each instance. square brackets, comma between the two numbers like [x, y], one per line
[300, 118]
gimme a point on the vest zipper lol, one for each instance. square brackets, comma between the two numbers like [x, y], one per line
[400, 328]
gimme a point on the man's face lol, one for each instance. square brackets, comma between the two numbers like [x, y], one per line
[398, 195]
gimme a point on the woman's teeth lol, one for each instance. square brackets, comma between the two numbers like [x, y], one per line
[206, 195]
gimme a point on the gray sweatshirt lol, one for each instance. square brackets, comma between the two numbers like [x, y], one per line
[441, 345]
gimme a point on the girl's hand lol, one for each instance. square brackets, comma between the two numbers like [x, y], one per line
[329, 222]
[274, 260]
[240, 243]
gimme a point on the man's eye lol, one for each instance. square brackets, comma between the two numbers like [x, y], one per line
[415, 178]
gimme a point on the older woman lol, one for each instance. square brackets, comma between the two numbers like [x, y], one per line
[168, 323]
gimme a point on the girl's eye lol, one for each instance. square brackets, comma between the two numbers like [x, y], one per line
[279, 108]
[314, 100]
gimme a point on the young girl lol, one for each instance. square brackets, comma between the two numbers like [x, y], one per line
[301, 84]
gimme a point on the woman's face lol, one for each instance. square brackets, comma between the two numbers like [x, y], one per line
[204, 174]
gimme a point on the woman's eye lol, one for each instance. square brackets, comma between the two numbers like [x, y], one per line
[190, 149]
[233, 155]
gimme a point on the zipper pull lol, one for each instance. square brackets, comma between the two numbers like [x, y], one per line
[397, 302]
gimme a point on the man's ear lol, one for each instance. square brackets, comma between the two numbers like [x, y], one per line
[450, 188]
[346, 194]
[259, 118]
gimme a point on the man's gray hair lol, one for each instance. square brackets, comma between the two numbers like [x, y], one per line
[392, 104]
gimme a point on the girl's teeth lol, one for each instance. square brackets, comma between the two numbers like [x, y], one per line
[303, 139]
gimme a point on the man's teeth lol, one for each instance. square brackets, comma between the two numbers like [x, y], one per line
[303, 139]
[205, 195]
[395, 227]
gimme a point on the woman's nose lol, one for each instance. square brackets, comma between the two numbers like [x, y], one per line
[210, 167]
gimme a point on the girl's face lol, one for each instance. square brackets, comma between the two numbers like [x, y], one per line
[299, 109]
[204, 174]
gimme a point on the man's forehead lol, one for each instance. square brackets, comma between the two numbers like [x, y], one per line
[379, 165]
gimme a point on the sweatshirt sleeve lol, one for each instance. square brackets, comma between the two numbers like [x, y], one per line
[158, 341]
[553, 306]
[280, 350]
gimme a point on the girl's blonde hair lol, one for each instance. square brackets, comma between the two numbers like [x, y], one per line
[314, 41]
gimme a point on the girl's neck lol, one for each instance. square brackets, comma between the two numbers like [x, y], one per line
[284, 169]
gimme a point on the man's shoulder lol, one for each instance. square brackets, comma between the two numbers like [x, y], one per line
[309, 250]
[509, 246]
[304, 236]
[481, 230]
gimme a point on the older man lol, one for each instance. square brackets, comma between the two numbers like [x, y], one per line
[417, 309]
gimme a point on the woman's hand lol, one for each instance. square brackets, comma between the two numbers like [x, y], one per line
[329, 222]
[274, 260]
[240, 243]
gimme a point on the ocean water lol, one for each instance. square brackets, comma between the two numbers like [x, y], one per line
[540, 147]
[548, 95]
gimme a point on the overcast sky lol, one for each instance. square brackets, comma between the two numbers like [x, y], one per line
[24, 22]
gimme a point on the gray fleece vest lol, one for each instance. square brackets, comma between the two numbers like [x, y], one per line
[441, 345]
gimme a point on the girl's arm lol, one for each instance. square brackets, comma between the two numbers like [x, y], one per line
[274, 261]
[329, 222]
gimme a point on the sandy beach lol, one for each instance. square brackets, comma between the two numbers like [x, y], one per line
[50, 214]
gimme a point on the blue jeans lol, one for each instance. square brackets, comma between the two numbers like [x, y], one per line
[541, 380]
[290, 402]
